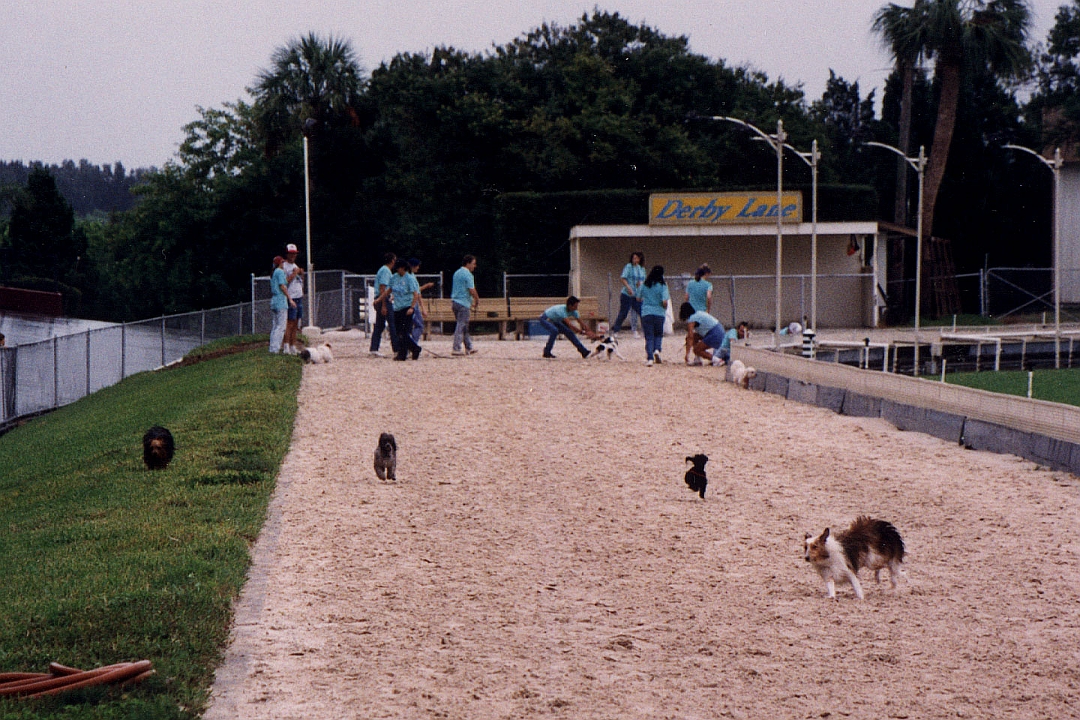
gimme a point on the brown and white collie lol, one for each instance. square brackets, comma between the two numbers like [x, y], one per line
[867, 543]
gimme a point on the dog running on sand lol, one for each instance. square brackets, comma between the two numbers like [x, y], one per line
[606, 348]
[317, 354]
[867, 543]
[741, 375]
[386, 457]
[695, 477]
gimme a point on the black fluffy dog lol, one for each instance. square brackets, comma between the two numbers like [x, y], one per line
[386, 457]
[695, 476]
[157, 448]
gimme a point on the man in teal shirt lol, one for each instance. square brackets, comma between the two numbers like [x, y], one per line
[565, 319]
[464, 299]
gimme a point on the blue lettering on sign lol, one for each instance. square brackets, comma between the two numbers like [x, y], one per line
[745, 211]
[669, 210]
[679, 210]
[790, 209]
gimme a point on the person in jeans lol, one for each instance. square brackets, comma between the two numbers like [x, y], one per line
[381, 304]
[280, 302]
[654, 298]
[633, 275]
[405, 294]
[464, 299]
[565, 319]
[294, 274]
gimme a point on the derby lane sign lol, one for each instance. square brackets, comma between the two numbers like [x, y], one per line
[723, 208]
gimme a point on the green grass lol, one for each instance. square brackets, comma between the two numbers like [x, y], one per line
[103, 561]
[1061, 386]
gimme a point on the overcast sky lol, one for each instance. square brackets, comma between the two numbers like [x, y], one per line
[116, 80]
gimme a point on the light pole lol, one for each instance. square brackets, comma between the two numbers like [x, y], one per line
[1055, 167]
[919, 163]
[777, 143]
[811, 158]
[308, 129]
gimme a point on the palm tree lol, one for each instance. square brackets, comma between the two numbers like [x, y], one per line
[309, 80]
[956, 35]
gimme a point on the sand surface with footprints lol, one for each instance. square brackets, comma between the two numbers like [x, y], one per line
[540, 556]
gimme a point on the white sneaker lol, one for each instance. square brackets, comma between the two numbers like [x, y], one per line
[472, 351]
[457, 352]
[376, 353]
[648, 363]
[695, 361]
[718, 361]
[656, 356]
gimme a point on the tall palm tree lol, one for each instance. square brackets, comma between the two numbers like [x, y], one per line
[310, 79]
[956, 35]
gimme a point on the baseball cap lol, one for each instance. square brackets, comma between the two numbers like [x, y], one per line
[290, 248]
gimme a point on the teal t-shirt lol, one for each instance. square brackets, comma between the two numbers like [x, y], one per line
[635, 275]
[732, 334]
[463, 283]
[382, 277]
[699, 290]
[558, 313]
[403, 287]
[653, 299]
[705, 322]
[277, 298]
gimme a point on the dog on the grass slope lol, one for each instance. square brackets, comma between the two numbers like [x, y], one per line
[867, 543]
[158, 448]
[695, 477]
[386, 457]
[606, 348]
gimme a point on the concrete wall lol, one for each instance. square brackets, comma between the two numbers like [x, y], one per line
[1043, 432]
[842, 302]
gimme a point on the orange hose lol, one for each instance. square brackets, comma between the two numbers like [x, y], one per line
[61, 678]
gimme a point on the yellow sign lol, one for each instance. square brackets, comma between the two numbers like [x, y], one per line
[733, 208]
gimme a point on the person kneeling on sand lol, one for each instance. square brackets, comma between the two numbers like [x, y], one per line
[704, 335]
[565, 319]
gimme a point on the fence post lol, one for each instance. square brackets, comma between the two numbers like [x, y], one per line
[202, 328]
[252, 308]
[55, 374]
[982, 292]
[87, 362]
[162, 339]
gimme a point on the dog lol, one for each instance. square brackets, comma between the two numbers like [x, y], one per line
[867, 543]
[158, 448]
[741, 375]
[386, 457]
[606, 348]
[695, 477]
[317, 354]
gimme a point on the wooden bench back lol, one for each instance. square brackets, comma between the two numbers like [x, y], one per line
[530, 308]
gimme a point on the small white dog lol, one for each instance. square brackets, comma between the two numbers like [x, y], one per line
[741, 375]
[317, 354]
[867, 543]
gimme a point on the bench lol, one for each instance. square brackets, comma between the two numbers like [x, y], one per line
[440, 310]
[524, 309]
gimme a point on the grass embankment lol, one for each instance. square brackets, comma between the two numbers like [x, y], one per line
[1060, 386]
[103, 561]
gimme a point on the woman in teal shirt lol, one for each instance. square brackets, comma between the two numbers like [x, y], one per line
[654, 298]
[699, 290]
[633, 275]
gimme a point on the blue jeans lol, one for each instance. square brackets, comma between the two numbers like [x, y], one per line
[382, 324]
[403, 319]
[462, 314]
[277, 329]
[653, 325]
[553, 329]
[626, 304]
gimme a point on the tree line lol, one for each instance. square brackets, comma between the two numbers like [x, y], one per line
[422, 155]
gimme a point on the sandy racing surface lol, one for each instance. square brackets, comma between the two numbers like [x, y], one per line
[540, 556]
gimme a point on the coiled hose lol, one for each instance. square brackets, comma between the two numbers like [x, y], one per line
[61, 678]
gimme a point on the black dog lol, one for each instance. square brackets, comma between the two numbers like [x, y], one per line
[157, 448]
[695, 476]
[386, 457]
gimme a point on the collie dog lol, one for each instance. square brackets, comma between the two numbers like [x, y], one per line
[867, 543]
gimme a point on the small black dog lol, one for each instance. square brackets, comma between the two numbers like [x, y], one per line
[157, 448]
[386, 457]
[695, 476]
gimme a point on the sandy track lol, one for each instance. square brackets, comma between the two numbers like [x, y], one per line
[539, 555]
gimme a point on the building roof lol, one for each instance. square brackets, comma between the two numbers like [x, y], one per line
[741, 230]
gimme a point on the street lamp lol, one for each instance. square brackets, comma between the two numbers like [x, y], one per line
[919, 163]
[1055, 167]
[811, 158]
[777, 143]
[308, 129]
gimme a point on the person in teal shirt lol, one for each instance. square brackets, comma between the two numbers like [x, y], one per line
[464, 299]
[279, 305]
[405, 295]
[565, 319]
[738, 332]
[704, 335]
[382, 305]
[654, 297]
[699, 290]
[633, 275]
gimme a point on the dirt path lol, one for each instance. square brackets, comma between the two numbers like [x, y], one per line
[540, 555]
